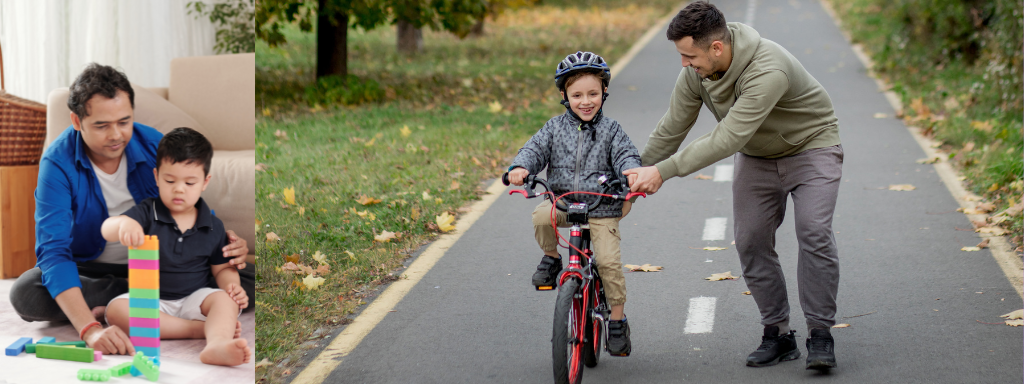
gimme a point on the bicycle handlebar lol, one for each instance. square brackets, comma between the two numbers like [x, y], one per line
[531, 181]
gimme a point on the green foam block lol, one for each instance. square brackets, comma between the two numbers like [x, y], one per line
[93, 375]
[31, 348]
[63, 352]
[146, 366]
[121, 369]
[149, 313]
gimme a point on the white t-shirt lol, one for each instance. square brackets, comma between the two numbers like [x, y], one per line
[119, 199]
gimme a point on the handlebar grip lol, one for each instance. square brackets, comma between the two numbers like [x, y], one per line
[504, 179]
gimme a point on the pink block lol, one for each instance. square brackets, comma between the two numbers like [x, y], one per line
[97, 355]
[143, 264]
[140, 322]
[151, 342]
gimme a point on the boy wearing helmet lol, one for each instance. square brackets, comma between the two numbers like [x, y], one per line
[577, 148]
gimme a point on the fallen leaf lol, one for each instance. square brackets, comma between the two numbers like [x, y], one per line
[320, 257]
[261, 167]
[383, 237]
[993, 231]
[289, 195]
[291, 267]
[843, 325]
[968, 147]
[271, 236]
[983, 244]
[323, 269]
[263, 363]
[721, 276]
[1018, 314]
[366, 200]
[454, 186]
[302, 211]
[477, 162]
[643, 268]
[901, 187]
[932, 160]
[351, 255]
[415, 213]
[405, 131]
[983, 126]
[444, 222]
[426, 195]
[370, 143]
[281, 135]
[438, 200]
[1014, 323]
[701, 176]
[985, 207]
[746, 293]
[494, 107]
[312, 282]
[880, 115]
[293, 258]
[951, 103]
[714, 249]
[970, 249]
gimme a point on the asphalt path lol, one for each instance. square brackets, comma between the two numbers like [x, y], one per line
[475, 318]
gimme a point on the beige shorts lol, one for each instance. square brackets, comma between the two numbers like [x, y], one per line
[187, 308]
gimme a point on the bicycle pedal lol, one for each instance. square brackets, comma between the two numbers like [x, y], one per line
[545, 287]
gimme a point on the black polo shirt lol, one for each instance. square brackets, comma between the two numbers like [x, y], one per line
[185, 258]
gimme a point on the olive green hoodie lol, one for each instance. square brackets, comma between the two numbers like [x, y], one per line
[767, 105]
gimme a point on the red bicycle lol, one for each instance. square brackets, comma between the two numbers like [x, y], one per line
[580, 328]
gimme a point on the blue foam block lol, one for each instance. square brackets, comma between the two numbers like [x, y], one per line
[46, 340]
[18, 346]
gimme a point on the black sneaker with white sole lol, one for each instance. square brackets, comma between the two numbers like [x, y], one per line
[546, 277]
[821, 353]
[774, 348]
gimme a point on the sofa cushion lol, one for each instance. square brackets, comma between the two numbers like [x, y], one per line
[218, 91]
[232, 192]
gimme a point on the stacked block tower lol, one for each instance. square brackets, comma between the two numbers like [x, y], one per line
[144, 296]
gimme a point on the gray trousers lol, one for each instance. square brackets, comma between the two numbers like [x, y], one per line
[760, 189]
[100, 284]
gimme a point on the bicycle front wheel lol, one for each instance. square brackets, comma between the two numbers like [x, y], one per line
[566, 340]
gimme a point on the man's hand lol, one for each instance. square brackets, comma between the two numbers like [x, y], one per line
[517, 175]
[110, 340]
[130, 233]
[237, 294]
[644, 179]
[236, 250]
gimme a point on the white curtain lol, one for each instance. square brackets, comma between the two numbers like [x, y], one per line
[46, 43]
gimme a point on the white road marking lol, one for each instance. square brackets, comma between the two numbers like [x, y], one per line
[751, 7]
[714, 228]
[723, 172]
[701, 318]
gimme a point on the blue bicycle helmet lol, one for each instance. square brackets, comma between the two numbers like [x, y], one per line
[580, 61]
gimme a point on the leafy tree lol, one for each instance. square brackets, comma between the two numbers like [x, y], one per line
[234, 21]
[333, 18]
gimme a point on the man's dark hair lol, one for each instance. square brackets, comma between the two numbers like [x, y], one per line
[97, 79]
[703, 22]
[185, 145]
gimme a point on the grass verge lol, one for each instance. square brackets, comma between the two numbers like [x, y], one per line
[332, 178]
[964, 91]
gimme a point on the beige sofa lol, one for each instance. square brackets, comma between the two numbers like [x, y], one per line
[213, 95]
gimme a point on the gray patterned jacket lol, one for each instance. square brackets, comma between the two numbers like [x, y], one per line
[577, 154]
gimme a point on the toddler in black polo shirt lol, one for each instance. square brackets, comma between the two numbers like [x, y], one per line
[190, 247]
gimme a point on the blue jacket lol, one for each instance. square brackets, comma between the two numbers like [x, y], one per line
[70, 207]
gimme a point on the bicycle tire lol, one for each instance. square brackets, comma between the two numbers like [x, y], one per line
[595, 339]
[566, 348]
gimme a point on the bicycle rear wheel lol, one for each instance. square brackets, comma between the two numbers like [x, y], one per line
[566, 345]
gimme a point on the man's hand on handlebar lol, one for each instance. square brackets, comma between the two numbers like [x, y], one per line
[517, 175]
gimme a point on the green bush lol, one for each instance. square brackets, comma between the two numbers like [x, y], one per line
[349, 90]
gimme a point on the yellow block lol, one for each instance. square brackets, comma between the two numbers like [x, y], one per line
[149, 244]
[144, 278]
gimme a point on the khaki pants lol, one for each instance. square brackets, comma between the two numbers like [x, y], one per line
[604, 237]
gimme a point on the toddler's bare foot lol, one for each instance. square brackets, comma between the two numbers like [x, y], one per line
[238, 329]
[226, 352]
[99, 313]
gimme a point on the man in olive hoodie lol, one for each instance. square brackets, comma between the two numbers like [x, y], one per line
[779, 124]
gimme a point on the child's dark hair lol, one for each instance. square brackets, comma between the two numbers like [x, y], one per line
[703, 22]
[187, 146]
[97, 79]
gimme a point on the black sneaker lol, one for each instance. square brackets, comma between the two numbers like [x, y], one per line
[618, 338]
[774, 348]
[547, 272]
[821, 353]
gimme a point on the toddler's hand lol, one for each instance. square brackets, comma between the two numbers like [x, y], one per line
[517, 175]
[238, 295]
[130, 233]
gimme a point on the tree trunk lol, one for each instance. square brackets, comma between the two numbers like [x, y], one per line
[477, 30]
[410, 38]
[331, 43]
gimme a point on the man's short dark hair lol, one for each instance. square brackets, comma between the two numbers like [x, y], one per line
[185, 145]
[97, 79]
[703, 22]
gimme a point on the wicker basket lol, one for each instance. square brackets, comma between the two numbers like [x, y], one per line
[22, 128]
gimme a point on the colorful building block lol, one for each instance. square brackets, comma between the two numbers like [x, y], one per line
[135, 372]
[146, 366]
[47, 340]
[121, 369]
[144, 296]
[63, 352]
[144, 293]
[144, 332]
[97, 355]
[93, 374]
[18, 346]
[31, 348]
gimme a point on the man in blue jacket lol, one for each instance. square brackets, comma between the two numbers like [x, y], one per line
[99, 167]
